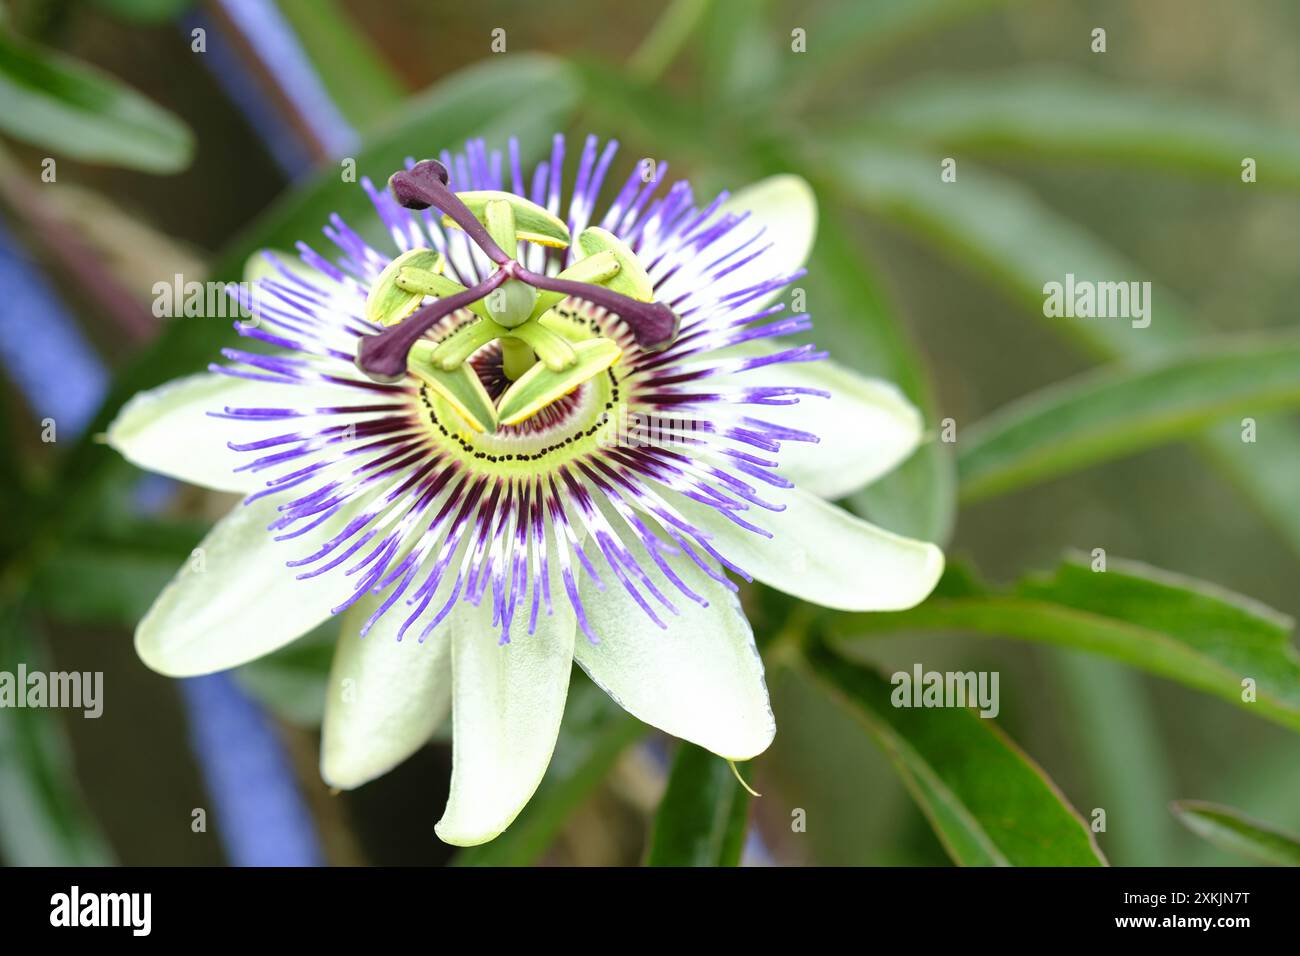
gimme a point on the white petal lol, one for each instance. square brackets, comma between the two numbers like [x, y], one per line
[782, 213]
[335, 300]
[700, 679]
[385, 697]
[786, 208]
[234, 600]
[823, 554]
[865, 429]
[168, 429]
[507, 700]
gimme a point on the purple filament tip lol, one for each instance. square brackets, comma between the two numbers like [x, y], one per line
[425, 185]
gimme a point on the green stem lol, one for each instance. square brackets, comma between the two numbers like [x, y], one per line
[665, 40]
[516, 357]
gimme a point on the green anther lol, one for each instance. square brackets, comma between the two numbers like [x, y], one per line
[388, 302]
[461, 388]
[425, 282]
[552, 348]
[631, 279]
[567, 328]
[598, 269]
[452, 352]
[540, 386]
[532, 222]
[499, 217]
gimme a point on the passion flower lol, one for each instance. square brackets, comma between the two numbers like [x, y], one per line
[519, 437]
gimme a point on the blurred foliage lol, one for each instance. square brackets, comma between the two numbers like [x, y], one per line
[1237, 832]
[1186, 630]
[55, 102]
[1117, 411]
[989, 804]
[914, 279]
[703, 816]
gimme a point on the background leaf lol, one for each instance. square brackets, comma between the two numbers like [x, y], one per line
[1186, 630]
[52, 101]
[1049, 112]
[44, 822]
[989, 804]
[844, 35]
[983, 220]
[1118, 410]
[111, 575]
[662, 44]
[1233, 830]
[703, 816]
[145, 11]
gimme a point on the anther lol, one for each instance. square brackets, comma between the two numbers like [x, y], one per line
[383, 357]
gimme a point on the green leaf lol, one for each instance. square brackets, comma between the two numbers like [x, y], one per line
[704, 813]
[594, 733]
[118, 568]
[1188, 631]
[853, 318]
[988, 802]
[45, 822]
[997, 229]
[1048, 112]
[983, 219]
[1109, 713]
[55, 102]
[1121, 409]
[358, 80]
[1232, 830]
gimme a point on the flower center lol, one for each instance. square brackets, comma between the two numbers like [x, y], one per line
[566, 428]
[539, 358]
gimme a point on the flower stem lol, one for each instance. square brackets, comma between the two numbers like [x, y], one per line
[665, 40]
